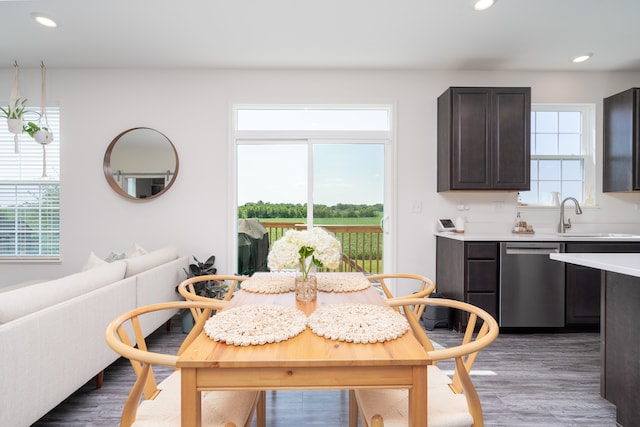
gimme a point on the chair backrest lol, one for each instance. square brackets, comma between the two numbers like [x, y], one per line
[425, 287]
[125, 336]
[463, 354]
[188, 289]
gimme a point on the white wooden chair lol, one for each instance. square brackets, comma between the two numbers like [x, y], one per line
[160, 404]
[452, 402]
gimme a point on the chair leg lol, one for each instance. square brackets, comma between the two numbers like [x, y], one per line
[99, 379]
[353, 409]
[261, 410]
[376, 421]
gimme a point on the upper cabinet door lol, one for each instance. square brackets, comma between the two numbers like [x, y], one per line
[471, 138]
[483, 139]
[621, 137]
[511, 138]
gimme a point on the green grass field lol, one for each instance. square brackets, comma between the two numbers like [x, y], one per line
[329, 221]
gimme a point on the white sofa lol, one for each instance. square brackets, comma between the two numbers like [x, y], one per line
[52, 333]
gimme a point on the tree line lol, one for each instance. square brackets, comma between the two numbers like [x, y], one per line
[261, 209]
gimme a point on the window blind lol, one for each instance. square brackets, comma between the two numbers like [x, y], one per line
[29, 202]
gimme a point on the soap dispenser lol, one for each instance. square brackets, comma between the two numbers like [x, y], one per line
[516, 223]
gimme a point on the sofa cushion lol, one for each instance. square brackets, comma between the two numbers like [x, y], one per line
[149, 260]
[22, 301]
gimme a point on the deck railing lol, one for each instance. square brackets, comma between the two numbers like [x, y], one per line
[361, 244]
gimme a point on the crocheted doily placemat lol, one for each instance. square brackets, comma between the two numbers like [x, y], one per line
[334, 282]
[256, 324]
[358, 323]
[276, 284]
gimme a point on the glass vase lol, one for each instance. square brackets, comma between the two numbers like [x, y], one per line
[306, 288]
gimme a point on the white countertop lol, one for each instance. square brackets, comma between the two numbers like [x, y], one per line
[539, 237]
[623, 263]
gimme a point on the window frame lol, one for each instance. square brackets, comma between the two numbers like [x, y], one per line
[17, 192]
[587, 149]
[312, 137]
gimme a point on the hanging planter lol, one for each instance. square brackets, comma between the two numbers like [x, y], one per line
[13, 114]
[15, 110]
[41, 135]
[41, 132]
[14, 125]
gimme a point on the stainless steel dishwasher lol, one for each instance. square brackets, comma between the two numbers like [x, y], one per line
[531, 285]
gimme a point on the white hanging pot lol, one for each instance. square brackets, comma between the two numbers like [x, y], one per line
[43, 136]
[15, 126]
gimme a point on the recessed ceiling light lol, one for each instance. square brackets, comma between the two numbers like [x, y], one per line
[43, 19]
[483, 4]
[582, 58]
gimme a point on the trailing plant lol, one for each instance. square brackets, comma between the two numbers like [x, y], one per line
[31, 128]
[206, 288]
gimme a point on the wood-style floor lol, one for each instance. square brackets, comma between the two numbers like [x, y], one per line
[535, 379]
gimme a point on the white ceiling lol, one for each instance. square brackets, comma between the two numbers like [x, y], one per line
[347, 34]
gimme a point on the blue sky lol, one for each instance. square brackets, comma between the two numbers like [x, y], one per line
[343, 173]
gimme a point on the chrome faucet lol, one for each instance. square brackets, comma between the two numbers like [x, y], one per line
[564, 225]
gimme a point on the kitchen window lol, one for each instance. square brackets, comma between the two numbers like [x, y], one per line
[562, 154]
[29, 201]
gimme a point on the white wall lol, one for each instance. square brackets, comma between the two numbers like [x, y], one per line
[192, 108]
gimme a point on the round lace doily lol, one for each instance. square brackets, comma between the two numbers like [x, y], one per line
[358, 323]
[269, 284]
[333, 282]
[255, 324]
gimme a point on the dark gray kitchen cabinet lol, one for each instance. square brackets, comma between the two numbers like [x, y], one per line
[583, 283]
[468, 271]
[621, 137]
[484, 138]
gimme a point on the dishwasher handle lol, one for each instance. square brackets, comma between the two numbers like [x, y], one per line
[531, 248]
[531, 251]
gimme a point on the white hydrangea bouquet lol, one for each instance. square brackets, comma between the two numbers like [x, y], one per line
[296, 246]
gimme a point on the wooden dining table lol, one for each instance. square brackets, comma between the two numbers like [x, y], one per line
[306, 361]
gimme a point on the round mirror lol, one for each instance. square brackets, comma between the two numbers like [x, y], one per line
[141, 163]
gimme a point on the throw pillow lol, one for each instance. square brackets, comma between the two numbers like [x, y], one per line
[135, 251]
[92, 262]
[114, 256]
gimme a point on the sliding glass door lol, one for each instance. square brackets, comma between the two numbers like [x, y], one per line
[295, 178]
